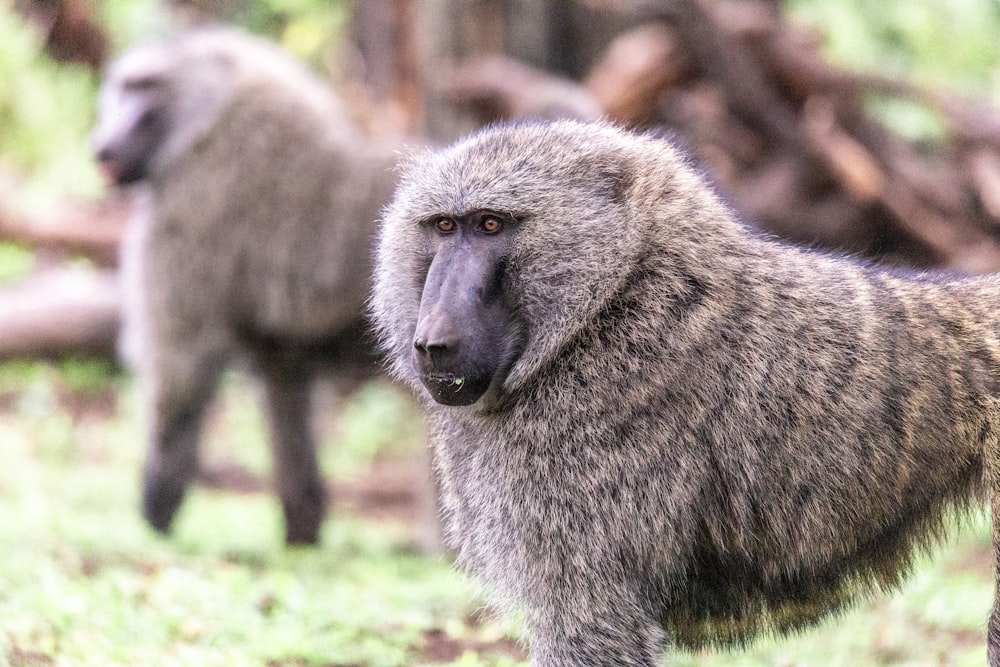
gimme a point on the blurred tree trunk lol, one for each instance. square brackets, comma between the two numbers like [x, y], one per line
[69, 29]
[561, 37]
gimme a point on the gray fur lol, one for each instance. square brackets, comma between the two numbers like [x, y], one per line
[702, 434]
[253, 243]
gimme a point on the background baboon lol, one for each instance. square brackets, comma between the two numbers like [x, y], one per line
[254, 242]
[653, 425]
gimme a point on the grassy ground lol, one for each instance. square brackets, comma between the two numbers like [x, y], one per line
[84, 582]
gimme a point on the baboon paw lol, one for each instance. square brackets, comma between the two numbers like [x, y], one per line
[302, 537]
[159, 505]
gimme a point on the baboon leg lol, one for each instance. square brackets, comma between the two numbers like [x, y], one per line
[596, 634]
[177, 394]
[993, 485]
[296, 469]
[993, 631]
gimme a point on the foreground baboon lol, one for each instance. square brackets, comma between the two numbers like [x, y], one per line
[254, 242]
[653, 425]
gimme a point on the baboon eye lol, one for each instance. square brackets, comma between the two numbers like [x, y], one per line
[141, 83]
[445, 225]
[491, 225]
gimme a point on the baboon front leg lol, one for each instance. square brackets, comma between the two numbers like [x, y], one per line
[296, 470]
[993, 630]
[596, 633]
[177, 394]
[993, 485]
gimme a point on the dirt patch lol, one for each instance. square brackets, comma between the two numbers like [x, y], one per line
[480, 636]
[440, 647]
[97, 404]
[19, 657]
[233, 478]
[978, 559]
[390, 490]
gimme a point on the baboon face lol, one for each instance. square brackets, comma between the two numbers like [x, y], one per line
[155, 104]
[495, 252]
[465, 333]
[132, 124]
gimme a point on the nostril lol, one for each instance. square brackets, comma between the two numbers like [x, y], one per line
[432, 349]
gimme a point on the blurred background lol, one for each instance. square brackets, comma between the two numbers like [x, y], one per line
[870, 128]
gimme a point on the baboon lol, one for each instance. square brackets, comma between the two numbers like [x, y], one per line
[253, 244]
[654, 426]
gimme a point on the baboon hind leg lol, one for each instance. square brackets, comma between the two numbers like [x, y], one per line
[296, 469]
[178, 389]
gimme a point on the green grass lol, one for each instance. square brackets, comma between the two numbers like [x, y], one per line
[84, 582]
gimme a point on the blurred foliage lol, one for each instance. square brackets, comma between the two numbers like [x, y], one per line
[130, 21]
[86, 376]
[909, 118]
[307, 28]
[46, 111]
[15, 261]
[947, 45]
[378, 420]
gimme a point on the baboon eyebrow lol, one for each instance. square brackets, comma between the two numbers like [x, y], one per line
[469, 214]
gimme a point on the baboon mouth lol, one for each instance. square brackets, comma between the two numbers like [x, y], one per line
[454, 389]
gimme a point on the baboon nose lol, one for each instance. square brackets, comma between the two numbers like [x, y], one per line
[435, 337]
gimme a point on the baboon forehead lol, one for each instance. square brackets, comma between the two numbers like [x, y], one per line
[147, 60]
[181, 51]
[555, 149]
[517, 166]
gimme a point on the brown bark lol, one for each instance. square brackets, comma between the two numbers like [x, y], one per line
[90, 229]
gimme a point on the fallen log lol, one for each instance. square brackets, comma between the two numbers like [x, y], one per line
[90, 229]
[59, 313]
[498, 87]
